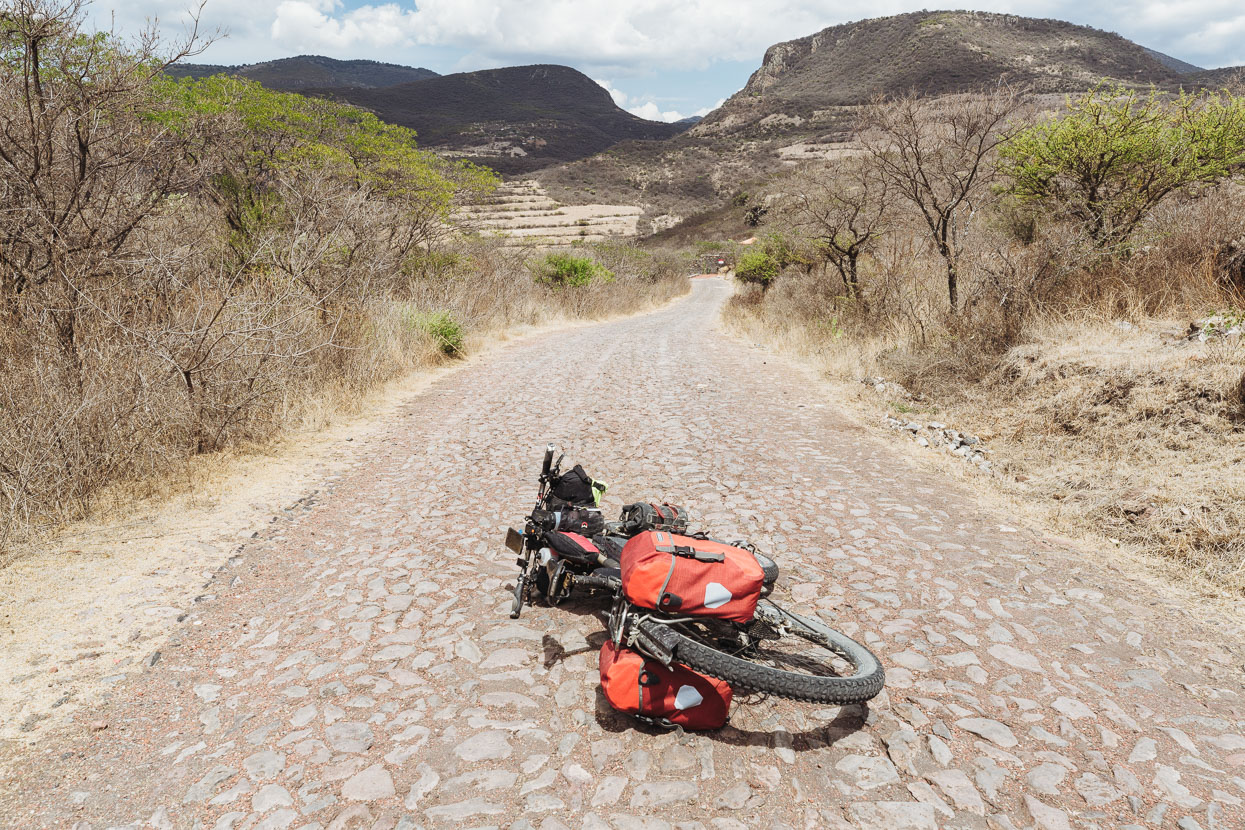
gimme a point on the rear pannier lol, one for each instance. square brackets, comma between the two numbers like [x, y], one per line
[643, 516]
[645, 688]
[686, 575]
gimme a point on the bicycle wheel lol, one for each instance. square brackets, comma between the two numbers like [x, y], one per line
[786, 655]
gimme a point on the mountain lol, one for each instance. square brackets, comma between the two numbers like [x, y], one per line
[515, 120]
[933, 53]
[1173, 63]
[304, 71]
[801, 103]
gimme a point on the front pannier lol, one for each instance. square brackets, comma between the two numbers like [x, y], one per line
[573, 547]
[645, 688]
[683, 575]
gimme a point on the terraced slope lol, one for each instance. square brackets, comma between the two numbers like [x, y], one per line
[523, 211]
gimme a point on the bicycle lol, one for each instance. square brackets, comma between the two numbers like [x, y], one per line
[778, 652]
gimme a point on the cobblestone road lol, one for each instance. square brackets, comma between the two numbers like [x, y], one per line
[356, 668]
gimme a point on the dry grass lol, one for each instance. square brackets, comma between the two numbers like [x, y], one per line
[1124, 435]
[1102, 415]
[95, 450]
[213, 264]
[1133, 434]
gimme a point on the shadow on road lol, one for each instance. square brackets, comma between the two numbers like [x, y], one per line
[848, 720]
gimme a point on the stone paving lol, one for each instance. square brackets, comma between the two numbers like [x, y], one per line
[355, 667]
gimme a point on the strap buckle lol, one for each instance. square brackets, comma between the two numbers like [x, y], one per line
[699, 555]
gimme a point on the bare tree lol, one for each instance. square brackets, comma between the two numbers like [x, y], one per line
[842, 209]
[938, 156]
[80, 168]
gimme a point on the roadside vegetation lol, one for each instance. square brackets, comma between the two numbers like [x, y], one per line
[193, 265]
[1069, 285]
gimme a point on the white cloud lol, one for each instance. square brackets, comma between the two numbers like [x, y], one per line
[652, 112]
[648, 109]
[620, 97]
[320, 25]
[642, 35]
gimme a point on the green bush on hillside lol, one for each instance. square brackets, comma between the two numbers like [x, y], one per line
[758, 267]
[1117, 153]
[568, 271]
[440, 326]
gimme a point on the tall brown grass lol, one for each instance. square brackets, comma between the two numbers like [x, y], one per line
[179, 280]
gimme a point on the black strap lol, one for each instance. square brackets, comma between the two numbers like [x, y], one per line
[691, 553]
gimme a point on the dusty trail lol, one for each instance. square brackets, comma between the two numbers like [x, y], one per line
[356, 667]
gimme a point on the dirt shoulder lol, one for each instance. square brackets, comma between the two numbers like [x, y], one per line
[1111, 436]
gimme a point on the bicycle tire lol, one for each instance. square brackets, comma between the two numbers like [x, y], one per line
[769, 570]
[864, 684]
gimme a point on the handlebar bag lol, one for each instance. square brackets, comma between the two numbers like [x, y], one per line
[575, 488]
[684, 575]
[645, 688]
[642, 516]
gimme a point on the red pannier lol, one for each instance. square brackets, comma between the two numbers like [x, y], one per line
[573, 547]
[684, 575]
[644, 687]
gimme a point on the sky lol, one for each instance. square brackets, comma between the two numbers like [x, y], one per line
[660, 59]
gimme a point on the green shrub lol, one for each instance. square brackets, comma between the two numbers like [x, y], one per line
[760, 264]
[440, 325]
[565, 270]
[1117, 153]
[757, 266]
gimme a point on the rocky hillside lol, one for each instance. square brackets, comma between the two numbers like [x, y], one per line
[516, 119]
[800, 82]
[304, 71]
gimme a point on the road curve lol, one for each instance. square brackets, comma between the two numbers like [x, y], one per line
[355, 667]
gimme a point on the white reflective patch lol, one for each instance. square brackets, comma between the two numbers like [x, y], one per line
[687, 698]
[716, 595]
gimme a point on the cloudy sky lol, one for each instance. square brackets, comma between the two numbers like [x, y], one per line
[660, 59]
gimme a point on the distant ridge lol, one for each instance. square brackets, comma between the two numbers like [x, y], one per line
[1220, 77]
[306, 71]
[515, 119]
[801, 104]
[1173, 63]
